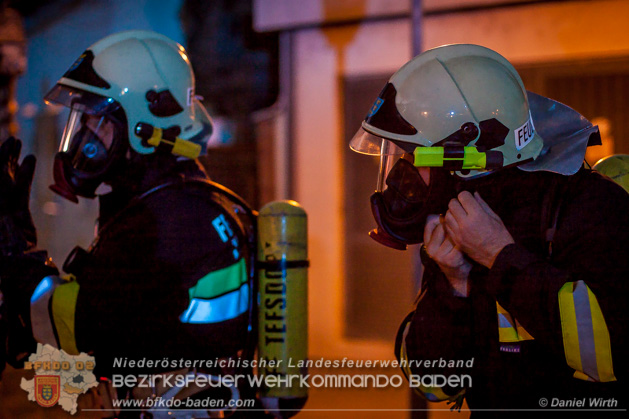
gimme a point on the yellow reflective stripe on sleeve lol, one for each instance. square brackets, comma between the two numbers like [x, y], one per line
[585, 336]
[569, 329]
[63, 310]
[581, 376]
[602, 343]
[509, 329]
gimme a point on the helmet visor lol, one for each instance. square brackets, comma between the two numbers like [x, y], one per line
[390, 152]
[88, 102]
[88, 140]
[364, 142]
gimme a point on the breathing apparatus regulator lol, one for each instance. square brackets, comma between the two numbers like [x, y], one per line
[129, 93]
[460, 112]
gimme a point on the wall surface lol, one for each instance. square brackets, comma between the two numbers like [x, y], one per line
[272, 15]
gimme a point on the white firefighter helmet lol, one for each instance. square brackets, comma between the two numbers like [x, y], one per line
[146, 74]
[455, 95]
[132, 90]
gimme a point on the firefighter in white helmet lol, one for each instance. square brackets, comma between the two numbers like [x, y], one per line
[169, 275]
[524, 249]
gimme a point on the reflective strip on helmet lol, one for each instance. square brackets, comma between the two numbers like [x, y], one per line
[585, 336]
[220, 309]
[43, 330]
[220, 282]
[509, 329]
[63, 310]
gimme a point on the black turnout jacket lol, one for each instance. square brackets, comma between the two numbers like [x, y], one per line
[570, 232]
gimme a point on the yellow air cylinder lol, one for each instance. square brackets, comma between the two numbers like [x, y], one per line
[282, 263]
[616, 167]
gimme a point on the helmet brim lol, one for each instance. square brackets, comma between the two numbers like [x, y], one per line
[90, 103]
[367, 143]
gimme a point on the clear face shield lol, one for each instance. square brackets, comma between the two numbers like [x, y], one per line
[389, 152]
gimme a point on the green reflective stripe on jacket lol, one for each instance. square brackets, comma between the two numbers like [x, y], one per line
[509, 329]
[220, 282]
[63, 309]
[585, 335]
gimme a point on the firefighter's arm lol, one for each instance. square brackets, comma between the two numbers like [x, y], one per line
[576, 303]
[17, 232]
[20, 277]
[21, 267]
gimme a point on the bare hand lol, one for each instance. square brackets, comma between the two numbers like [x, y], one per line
[476, 229]
[447, 255]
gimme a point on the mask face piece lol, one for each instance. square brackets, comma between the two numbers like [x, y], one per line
[88, 151]
[405, 190]
[89, 148]
[402, 208]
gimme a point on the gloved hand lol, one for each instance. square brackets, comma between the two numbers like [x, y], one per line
[17, 232]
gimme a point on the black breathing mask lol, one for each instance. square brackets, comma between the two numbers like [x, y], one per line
[402, 207]
[91, 147]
